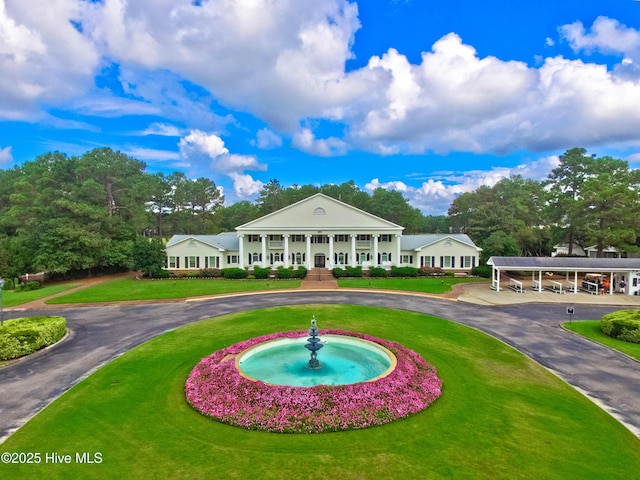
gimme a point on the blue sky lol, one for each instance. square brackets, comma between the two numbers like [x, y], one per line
[429, 98]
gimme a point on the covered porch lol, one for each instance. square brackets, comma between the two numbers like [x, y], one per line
[590, 275]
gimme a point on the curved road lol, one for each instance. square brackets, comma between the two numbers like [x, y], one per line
[99, 334]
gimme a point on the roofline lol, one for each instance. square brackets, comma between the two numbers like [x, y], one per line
[478, 249]
[198, 238]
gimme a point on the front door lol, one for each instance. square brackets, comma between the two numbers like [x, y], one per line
[319, 260]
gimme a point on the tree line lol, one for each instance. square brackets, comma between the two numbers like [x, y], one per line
[98, 211]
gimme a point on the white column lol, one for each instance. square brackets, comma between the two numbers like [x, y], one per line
[241, 250]
[374, 263]
[286, 251]
[575, 283]
[263, 239]
[398, 249]
[308, 237]
[540, 281]
[353, 250]
[330, 262]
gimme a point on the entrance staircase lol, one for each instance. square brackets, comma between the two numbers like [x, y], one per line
[319, 278]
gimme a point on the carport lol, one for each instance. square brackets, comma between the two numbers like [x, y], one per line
[619, 274]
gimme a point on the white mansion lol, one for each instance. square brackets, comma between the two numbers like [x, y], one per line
[321, 232]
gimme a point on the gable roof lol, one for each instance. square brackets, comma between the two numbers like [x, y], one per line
[319, 212]
[417, 242]
[222, 241]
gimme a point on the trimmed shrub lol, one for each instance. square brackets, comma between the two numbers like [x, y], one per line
[377, 272]
[159, 274]
[210, 273]
[483, 271]
[284, 273]
[623, 325]
[27, 286]
[234, 273]
[404, 271]
[353, 272]
[300, 272]
[338, 272]
[261, 273]
[23, 336]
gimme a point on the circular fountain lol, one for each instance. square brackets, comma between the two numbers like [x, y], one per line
[345, 360]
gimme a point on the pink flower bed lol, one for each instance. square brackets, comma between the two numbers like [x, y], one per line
[216, 389]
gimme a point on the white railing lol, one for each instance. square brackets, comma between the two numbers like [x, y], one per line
[555, 287]
[516, 285]
[363, 243]
[276, 244]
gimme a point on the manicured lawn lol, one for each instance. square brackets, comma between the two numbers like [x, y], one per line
[591, 329]
[11, 298]
[501, 416]
[424, 284]
[131, 289]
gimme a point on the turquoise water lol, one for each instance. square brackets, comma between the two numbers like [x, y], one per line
[344, 360]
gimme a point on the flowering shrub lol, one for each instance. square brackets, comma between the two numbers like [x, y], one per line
[216, 389]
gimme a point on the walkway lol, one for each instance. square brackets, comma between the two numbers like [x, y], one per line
[101, 333]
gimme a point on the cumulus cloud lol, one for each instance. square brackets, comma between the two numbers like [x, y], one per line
[285, 63]
[5, 156]
[434, 196]
[200, 147]
[306, 141]
[607, 36]
[44, 56]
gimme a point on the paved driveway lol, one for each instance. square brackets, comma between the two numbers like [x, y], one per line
[99, 334]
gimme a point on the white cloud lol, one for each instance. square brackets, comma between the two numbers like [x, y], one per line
[200, 146]
[435, 195]
[606, 34]
[266, 139]
[162, 129]
[43, 57]
[306, 141]
[152, 154]
[245, 186]
[5, 156]
[284, 62]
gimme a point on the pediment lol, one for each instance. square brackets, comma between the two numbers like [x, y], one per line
[316, 213]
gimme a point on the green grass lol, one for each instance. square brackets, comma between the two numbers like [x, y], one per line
[591, 329]
[427, 285]
[501, 416]
[11, 298]
[123, 289]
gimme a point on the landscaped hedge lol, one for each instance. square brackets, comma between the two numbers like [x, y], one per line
[22, 336]
[234, 273]
[404, 271]
[483, 271]
[261, 273]
[623, 325]
[300, 272]
[377, 272]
